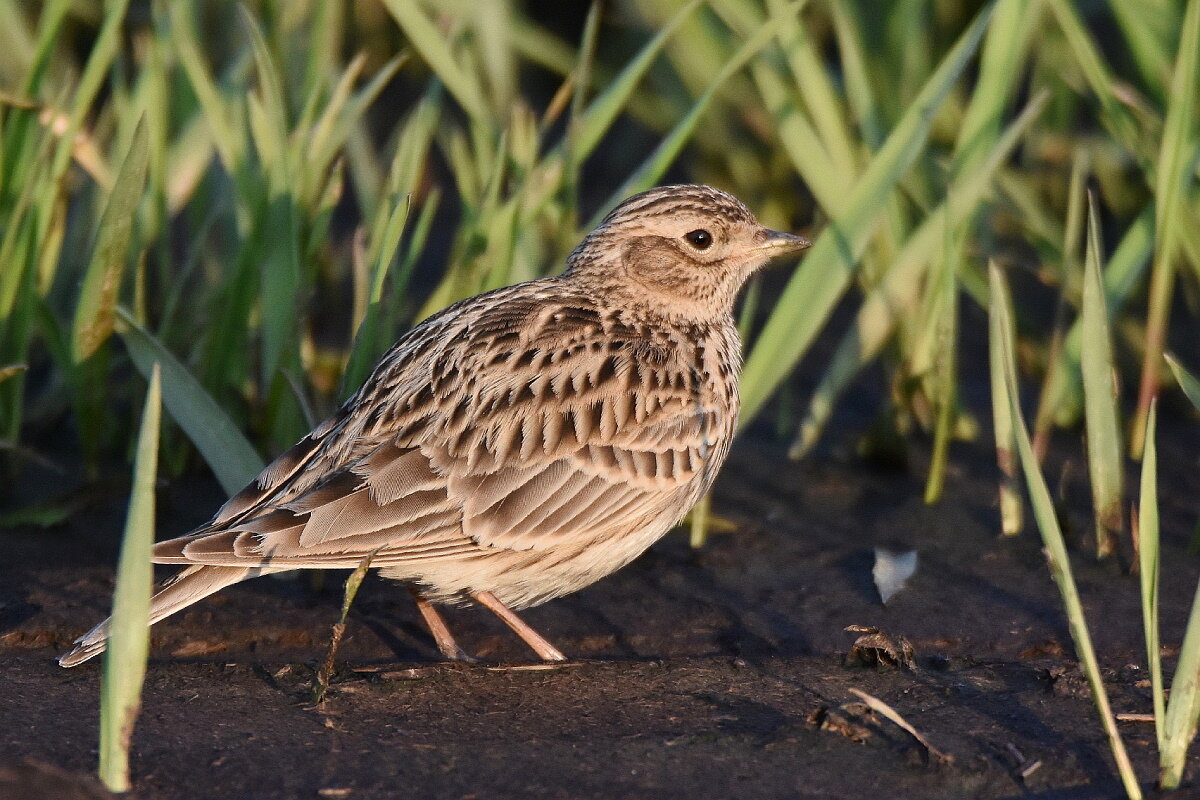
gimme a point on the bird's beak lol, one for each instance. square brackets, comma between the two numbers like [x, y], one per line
[778, 243]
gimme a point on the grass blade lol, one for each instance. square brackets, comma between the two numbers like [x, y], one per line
[220, 117]
[1176, 169]
[860, 93]
[93, 321]
[896, 294]
[100, 59]
[1012, 508]
[1123, 275]
[129, 632]
[1000, 326]
[825, 273]
[439, 56]
[1100, 398]
[1001, 60]
[813, 82]
[1093, 67]
[698, 529]
[604, 110]
[653, 168]
[1183, 707]
[1147, 25]
[1187, 381]
[228, 453]
[1183, 710]
[321, 687]
[1147, 544]
[943, 336]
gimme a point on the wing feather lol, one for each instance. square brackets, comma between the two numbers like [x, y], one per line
[517, 427]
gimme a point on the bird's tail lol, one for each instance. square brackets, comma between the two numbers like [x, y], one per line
[193, 584]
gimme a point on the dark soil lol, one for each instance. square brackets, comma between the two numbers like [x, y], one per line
[710, 674]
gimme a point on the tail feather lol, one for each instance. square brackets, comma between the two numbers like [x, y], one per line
[189, 586]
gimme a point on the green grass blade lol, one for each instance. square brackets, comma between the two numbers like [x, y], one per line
[440, 57]
[943, 336]
[49, 25]
[271, 137]
[1177, 151]
[1094, 68]
[799, 139]
[280, 267]
[541, 47]
[1123, 275]
[1148, 25]
[1187, 381]
[581, 76]
[327, 29]
[336, 123]
[604, 110]
[1176, 167]
[825, 273]
[228, 453]
[93, 321]
[657, 163]
[812, 78]
[698, 528]
[219, 116]
[364, 351]
[1183, 706]
[1001, 59]
[860, 91]
[896, 294]
[100, 59]
[1001, 327]
[129, 632]
[1148, 563]
[1105, 464]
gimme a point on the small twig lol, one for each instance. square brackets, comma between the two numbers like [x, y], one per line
[883, 708]
[1025, 767]
[352, 584]
[533, 667]
[1135, 717]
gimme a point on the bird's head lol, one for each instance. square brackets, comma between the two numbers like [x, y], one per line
[684, 249]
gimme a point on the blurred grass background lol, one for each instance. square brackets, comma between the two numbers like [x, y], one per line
[262, 196]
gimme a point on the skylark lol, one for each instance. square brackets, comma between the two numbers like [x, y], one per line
[518, 445]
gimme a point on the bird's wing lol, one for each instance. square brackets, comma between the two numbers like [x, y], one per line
[518, 427]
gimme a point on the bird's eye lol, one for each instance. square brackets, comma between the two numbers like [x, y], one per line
[699, 239]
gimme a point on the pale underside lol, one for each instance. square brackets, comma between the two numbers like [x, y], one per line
[525, 445]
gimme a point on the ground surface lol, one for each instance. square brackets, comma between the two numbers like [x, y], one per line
[711, 674]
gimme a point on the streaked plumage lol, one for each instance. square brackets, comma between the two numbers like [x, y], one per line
[520, 444]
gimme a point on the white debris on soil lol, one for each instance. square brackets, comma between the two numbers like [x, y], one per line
[892, 570]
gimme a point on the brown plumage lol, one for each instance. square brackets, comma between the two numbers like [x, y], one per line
[521, 444]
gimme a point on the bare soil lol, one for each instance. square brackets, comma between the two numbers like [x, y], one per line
[697, 674]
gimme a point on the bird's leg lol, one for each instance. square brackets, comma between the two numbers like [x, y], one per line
[543, 648]
[437, 626]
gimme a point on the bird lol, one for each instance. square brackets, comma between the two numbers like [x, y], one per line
[518, 445]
